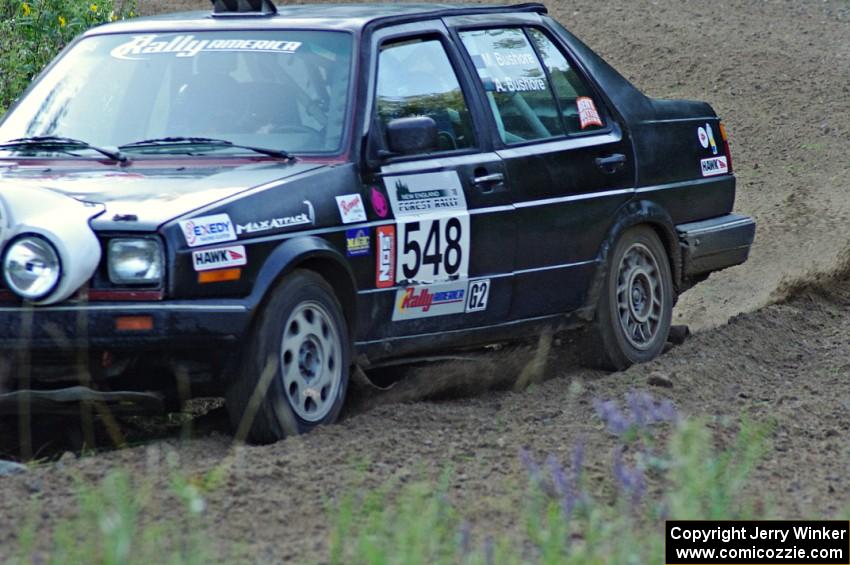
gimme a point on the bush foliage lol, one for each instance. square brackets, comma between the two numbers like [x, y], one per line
[32, 32]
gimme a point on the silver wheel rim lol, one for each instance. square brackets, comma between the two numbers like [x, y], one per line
[311, 361]
[640, 298]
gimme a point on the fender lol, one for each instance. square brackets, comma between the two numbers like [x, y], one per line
[633, 213]
[310, 252]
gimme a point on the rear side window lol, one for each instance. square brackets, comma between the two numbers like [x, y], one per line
[416, 78]
[575, 97]
[516, 84]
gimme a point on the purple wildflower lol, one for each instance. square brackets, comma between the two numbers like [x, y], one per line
[643, 411]
[630, 479]
[563, 487]
[529, 464]
[616, 422]
[465, 538]
[664, 411]
[489, 550]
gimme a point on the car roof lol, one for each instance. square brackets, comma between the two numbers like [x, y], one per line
[315, 16]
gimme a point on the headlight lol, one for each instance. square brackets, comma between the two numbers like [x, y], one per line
[31, 267]
[134, 261]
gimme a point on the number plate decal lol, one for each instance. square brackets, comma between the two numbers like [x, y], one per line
[433, 227]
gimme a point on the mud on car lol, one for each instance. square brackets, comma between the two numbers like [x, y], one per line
[262, 199]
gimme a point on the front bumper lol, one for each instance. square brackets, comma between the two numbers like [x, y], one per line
[715, 244]
[95, 325]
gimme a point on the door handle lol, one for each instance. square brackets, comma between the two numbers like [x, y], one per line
[611, 163]
[485, 181]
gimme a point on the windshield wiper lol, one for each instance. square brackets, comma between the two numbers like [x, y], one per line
[166, 141]
[46, 141]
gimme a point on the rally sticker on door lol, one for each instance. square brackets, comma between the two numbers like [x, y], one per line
[430, 300]
[385, 257]
[433, 249]
[427, 301]
[432, 234]
[412, 195]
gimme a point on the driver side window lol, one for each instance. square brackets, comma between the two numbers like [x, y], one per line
[416, 78]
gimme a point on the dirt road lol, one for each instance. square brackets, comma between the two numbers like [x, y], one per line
[779, 74]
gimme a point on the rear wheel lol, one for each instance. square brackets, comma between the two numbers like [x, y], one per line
[295, 368]
[635, 307]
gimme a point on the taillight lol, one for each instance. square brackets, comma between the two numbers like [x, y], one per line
[726, 150]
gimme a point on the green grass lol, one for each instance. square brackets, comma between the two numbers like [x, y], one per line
[418, 523]
[663, 467]
[112, 525]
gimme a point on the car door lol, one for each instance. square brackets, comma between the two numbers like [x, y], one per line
[568, 159]
[443, 261]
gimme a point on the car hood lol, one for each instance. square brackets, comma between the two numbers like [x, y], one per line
[141, 198]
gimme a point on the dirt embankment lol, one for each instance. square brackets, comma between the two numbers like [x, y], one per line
[779, 74]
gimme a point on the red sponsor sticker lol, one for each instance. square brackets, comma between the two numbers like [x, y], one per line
[587, 114]
[385, 257]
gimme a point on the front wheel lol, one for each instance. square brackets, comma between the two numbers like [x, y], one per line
[295, 367]
[635, 307]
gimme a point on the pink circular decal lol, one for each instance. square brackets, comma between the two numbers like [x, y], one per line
[379, 203]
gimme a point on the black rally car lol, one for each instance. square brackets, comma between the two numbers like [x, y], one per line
[279, 195]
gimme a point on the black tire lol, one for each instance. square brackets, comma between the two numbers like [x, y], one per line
[290, 383]
[635, 306]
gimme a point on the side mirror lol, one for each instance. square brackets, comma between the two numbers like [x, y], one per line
[410, 136]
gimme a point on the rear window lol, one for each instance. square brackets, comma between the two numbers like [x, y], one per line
[533, 91]
[286, 89]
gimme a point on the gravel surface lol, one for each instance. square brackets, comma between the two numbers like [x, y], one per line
[769, 349]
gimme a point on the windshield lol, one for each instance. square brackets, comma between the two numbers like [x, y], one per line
[279, 89]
